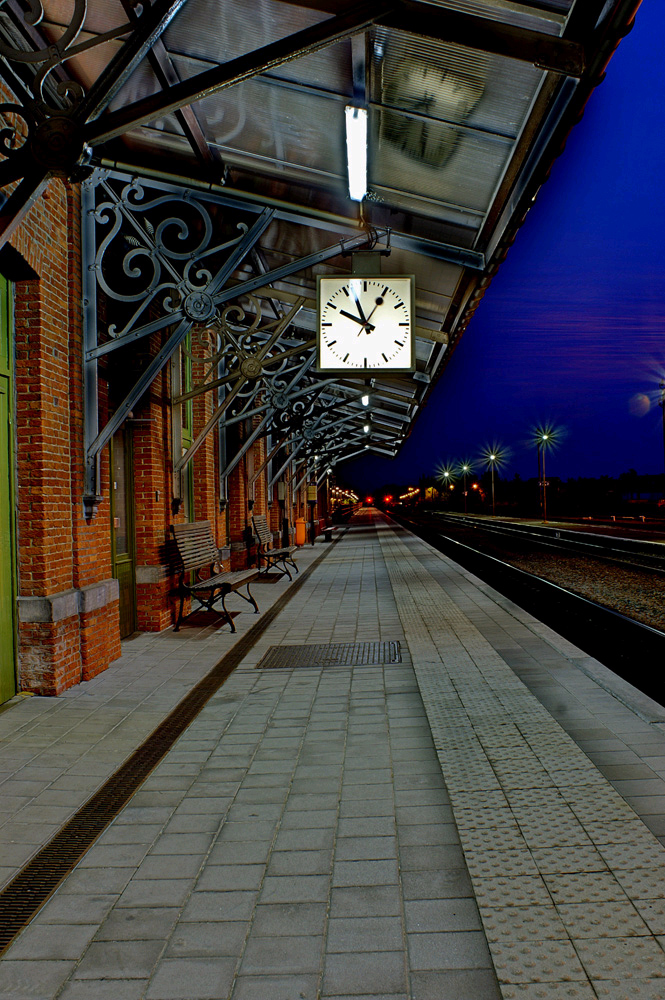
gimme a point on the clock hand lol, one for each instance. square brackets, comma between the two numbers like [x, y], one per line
[360, 308]
[361, 322]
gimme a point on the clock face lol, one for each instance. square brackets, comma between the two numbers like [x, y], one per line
[366, 324]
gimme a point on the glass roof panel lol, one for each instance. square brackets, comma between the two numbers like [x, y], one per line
[422, 157]
[274, 123]
[452, 83]
[218, 31]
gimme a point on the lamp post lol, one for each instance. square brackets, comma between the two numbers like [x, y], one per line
[544, 439]
[492, 460]
[465, 470]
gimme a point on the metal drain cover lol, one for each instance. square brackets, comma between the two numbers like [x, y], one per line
[334, 654]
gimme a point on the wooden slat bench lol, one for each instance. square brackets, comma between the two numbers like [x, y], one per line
[197, 553]
[271, 556]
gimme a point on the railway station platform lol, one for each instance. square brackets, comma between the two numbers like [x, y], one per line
[399, 786]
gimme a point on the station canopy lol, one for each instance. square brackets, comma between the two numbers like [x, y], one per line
[239, 107]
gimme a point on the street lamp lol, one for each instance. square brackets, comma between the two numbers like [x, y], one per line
[444, 474]
[493, 456]
[545, 437]
[465, 469]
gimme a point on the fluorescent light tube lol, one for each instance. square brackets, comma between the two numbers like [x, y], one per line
[356, 151]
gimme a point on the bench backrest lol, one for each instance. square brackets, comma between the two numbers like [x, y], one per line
[195, 545]
[262, 530]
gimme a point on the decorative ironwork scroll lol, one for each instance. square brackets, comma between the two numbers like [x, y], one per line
[161, 259]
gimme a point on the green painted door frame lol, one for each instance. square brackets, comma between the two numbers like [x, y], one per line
[7, 506]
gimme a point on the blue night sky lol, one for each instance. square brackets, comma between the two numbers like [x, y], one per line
[571, 330]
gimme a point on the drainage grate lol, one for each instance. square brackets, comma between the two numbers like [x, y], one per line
[334, 654]
[31, 887]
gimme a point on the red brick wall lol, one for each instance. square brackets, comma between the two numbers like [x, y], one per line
[58, 551]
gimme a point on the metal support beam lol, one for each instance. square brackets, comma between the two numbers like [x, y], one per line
[475, 32]
[256, 433]
[164, 70]
[271, 56]
[257, 358]
[152, 23]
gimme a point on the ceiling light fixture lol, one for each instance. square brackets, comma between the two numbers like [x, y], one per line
[356, 151]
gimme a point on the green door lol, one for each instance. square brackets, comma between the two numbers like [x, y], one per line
[7, 546]
[122, 528]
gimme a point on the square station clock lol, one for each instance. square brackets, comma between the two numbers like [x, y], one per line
[366, 324]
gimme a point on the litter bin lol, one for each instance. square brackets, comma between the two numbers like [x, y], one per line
[301, 531]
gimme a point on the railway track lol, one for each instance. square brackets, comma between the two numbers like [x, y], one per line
[613, 548]
[632, 649]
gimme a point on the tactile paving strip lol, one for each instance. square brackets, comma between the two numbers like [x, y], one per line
[333, 654]
[534, 816]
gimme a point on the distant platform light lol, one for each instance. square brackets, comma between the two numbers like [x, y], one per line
[356, 151]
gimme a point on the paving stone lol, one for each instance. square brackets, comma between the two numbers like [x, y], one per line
[119, 960]
[191, 979]
[653, 913]
[156, 892]
[301, 987]
[547, 991]
[442, 915]
[100, 989]
[295, 889]
[354, 934]
[219, 906]
[288, 919]
[449, 950]
[642, 883]
[297, 954]
[138, 924]
[622, 958]
[364, 973]
[476, 984]
[367, 901]
[56, 942]
[611, 919]
[516, 924]
[215, 939]
[629, 989]
[537, 962]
